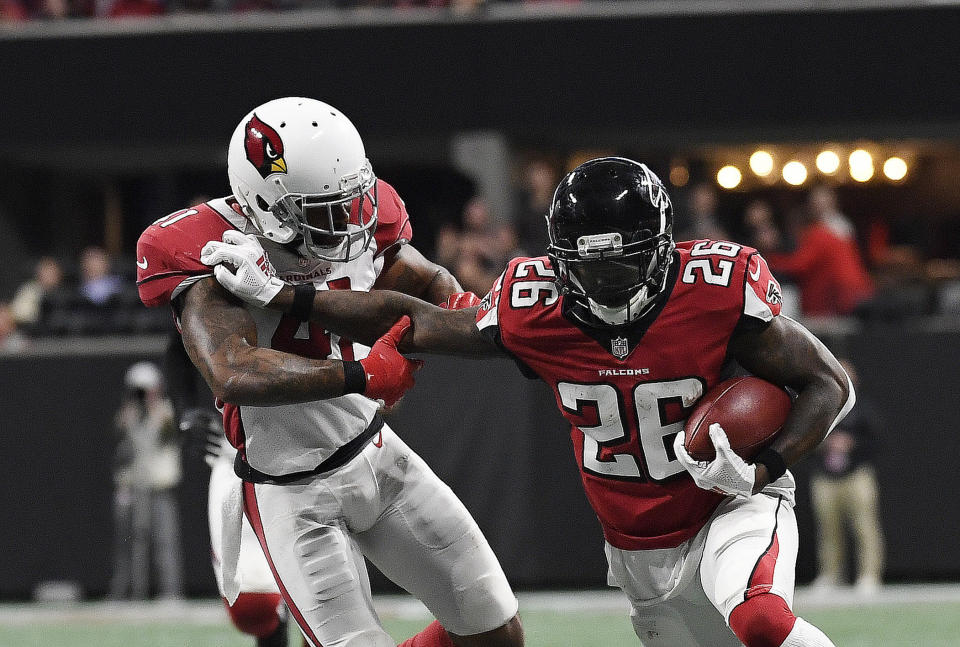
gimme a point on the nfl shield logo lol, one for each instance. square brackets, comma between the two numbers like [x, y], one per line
[619, 347]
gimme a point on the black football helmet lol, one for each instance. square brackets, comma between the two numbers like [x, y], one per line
[611, 239]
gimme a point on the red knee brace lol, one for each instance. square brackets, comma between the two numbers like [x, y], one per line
[255, 613]
[763, 620]
[433, 636]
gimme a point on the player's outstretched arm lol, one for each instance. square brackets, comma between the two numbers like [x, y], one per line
[221, 338]
[362, 316]
[787, 354]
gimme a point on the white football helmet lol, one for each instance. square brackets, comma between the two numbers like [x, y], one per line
[296, 166]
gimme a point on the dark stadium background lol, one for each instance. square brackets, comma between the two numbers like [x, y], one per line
[106, 128]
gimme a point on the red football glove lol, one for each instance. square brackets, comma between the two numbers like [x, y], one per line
[389, 374]
[461, 300]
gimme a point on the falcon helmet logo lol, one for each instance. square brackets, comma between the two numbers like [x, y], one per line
[620, 347]
[773, 293]
[264, 147]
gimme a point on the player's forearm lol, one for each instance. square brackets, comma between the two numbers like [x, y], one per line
[440, 286]
[365, 316]
[787, 354]
[265, 377]
[816, 410]
[221, 339]
[242, 374]
[360, 316]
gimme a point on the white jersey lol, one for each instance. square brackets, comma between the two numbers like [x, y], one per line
[283, 439]
[298, 437]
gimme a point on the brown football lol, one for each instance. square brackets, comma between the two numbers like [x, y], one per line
[750, 410]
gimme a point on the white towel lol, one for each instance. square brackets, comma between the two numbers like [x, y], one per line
[231, 514]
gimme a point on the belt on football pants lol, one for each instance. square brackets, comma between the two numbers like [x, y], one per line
[339, 458]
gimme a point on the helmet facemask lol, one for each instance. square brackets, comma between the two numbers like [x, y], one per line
[325, 222]
[617, 282]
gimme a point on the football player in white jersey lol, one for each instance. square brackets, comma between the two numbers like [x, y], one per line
[324, 481]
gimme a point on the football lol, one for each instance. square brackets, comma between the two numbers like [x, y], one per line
[750, 410]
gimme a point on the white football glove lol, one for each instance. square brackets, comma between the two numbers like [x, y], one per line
[727, 473]
[241, 266]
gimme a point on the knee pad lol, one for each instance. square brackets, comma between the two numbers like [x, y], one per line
[257, 614]
[764, 620]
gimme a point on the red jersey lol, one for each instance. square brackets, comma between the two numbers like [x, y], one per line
[828, 269]
[168, 252]
[627, 390]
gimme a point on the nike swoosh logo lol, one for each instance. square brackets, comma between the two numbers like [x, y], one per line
[378, 443]
[755, 275]
[142, 265]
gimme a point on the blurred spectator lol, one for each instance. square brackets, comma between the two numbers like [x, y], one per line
[478, 254]
[761, 231]
[903, 288]
[98, 284]
[447, 246]
[826, 264]
[135, 8]
[760, 227]
[29, 297]
[146, 474]
[539, 179]
[700, 220]
[11, 339]
[100, 302]
[844, 494]
[13, 10]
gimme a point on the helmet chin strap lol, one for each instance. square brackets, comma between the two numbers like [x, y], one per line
[632, 310]
[638, 305]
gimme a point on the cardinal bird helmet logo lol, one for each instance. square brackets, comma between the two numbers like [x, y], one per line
[264, 147]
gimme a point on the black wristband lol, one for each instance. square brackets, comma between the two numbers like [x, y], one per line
[302, 301]
[354, 378]
[771, 458]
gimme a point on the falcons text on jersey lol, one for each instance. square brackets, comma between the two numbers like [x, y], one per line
[626, 390]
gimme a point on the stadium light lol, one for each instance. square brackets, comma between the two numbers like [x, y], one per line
[828, 162]
[761, 163]
[794, 173]
[679, 175]
[729, 177]
[895, 168]
[861, 165]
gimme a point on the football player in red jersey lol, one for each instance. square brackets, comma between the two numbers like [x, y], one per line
[630, 329]
[324, 481]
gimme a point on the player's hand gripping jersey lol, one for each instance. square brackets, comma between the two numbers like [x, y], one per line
[627, 390]
[289, 438]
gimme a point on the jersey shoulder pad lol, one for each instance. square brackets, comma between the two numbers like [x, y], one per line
[762, 296]
[393, 221]
[522, 293]
[505, 311]
[168, 251]
[727, 275]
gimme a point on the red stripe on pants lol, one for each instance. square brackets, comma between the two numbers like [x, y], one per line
[253, 515]
[761, 580]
